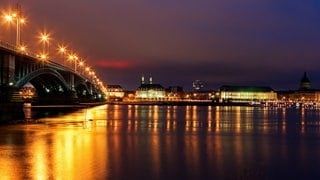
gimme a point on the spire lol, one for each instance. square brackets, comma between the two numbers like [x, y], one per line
[150, 80]
[142, 79]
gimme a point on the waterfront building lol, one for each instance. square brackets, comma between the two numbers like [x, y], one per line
[114, 92]
[175, 93]
[304, 93]
[246, 94]
[305, 83]
[201, 95]
[150, 91]
[198, 85]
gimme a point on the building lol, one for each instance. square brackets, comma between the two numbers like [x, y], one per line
[246, 94]
[150, 91]
[114, 92]
[198, 85]
[175, 93]
[305, 83]
[304, 93]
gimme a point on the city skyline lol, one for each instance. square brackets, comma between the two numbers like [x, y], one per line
[236, 42]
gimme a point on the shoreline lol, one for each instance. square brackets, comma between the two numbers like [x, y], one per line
[176, 103]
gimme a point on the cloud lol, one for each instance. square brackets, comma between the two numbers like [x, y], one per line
[115, 64]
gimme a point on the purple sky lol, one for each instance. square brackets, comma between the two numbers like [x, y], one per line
[240, 42]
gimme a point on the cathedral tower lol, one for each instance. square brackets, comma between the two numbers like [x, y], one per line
[305, 83]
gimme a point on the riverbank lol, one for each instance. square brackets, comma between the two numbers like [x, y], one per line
[177, 103]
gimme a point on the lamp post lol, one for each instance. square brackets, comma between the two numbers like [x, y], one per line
[62, 50]
[81, 65]
[19, 20]
[74, 58]
[44, 40]
[10, 17]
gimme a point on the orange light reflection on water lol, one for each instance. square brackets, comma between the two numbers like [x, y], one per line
[96, 142]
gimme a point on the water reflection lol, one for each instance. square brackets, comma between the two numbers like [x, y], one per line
[163, 142]
[238, 119]
[191, 118]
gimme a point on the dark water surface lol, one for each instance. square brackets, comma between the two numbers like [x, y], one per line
[163, 142]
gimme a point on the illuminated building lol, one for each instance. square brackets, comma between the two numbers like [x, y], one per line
[175, 93]
[246, 94]
[197, 85]
[150, 91]
[304, 94]
[28, 92]
[114, 92]
[201, 95]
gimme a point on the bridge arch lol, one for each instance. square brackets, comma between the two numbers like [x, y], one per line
[46, 80]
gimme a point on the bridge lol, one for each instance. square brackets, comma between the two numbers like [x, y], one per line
[25, 76]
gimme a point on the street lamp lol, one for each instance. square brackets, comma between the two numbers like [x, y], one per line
[10, 17]
[44, 39]
[23, 48]
[74, 58]
[81, 65]
[62, 50]
[43, 58]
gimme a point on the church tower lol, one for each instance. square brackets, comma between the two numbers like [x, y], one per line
[305, 83]
[142, 79]
[150, 80]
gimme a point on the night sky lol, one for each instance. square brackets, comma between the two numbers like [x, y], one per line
[234, 42]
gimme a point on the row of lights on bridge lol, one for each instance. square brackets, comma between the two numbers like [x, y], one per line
[16, 17]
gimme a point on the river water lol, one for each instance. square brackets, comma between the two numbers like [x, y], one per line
[162, 142]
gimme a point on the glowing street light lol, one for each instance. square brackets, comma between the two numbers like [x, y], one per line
[62, 50]
[74, 58]
[43, 57]
[10, 17]
[44, 39]
[81, 63]
[22, 48]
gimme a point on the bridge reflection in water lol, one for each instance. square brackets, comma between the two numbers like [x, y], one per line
[163, 142]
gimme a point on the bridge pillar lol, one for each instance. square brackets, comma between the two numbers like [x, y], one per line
[7, 67]
[72, 85]
[9, 92]
[90, 89]
[71, 81]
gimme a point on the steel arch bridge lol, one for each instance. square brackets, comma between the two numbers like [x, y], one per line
[53, 82]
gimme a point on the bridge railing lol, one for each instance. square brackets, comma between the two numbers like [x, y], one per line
[14, 48]
[7, 45]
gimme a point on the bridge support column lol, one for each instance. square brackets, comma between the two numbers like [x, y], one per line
[90, 89]
[71, 82]
[72, 86]
[9, 92]
[7, 67]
